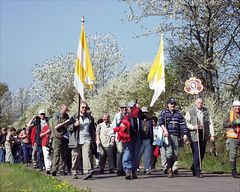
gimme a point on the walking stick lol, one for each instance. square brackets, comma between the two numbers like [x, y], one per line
[199, 154]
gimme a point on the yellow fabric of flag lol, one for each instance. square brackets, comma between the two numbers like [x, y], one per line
[156, 76]
[84, 75]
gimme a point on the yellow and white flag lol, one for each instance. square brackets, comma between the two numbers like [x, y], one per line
[84, 75]
[156, 76]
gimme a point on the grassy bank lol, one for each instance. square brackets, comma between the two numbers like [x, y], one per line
[17, 178]
[219, 163]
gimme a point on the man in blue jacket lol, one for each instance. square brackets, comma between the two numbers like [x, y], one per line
[173, 124]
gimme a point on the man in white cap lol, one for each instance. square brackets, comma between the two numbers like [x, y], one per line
[38, 122]
[232, 128]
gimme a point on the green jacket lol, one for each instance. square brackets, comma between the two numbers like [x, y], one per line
[191, 120]
[58, 118]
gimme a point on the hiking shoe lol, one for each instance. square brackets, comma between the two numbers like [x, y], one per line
[54, 173]
[148, 172]
[63, 173]
[175, 172]
[75, 176]
[134, 176]
[165, 171]
[120, 173]
[199, 175]
[193, 171]
[101, 171]
[88, 176]
[128, 176]
[170, 173]
[234, 174]
[48, 172]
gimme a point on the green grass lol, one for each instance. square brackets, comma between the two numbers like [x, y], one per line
[17, 178]
[219, 163]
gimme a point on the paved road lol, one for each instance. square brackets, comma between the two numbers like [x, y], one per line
[156, 182]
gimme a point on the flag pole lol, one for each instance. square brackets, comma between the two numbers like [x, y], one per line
[79, 96]
[79, 101]
[165, 95]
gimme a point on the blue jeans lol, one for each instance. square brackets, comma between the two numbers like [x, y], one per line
[146, 149]
[2, 155]
[130, 156]
[27, 151]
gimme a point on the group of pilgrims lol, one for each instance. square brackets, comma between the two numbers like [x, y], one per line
[79, 145]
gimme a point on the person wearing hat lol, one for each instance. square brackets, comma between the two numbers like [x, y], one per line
[173, 124]
[37, 122]
[116, 122]
[232, 128]
[146, 133]
[200, 125]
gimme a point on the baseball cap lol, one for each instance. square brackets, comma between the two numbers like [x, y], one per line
[131, 104]
[144, 109]
[41, 111]
[236, 103]
[172, 101]
[122, 105]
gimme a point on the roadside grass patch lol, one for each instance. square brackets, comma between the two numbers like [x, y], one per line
[17, 178]
[212, 164]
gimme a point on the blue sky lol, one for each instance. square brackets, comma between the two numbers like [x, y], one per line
[33, 31]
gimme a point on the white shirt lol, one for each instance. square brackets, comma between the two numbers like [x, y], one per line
[84, 130]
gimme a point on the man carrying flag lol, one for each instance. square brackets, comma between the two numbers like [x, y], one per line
[156, 76]
[82, 133]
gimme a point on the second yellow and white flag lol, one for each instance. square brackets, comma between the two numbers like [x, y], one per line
[156, 76]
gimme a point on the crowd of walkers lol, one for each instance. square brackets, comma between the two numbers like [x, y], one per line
[79, 145]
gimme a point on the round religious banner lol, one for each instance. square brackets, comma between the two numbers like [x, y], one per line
[193, 86]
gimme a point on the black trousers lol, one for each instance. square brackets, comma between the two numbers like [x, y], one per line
[195, 151]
